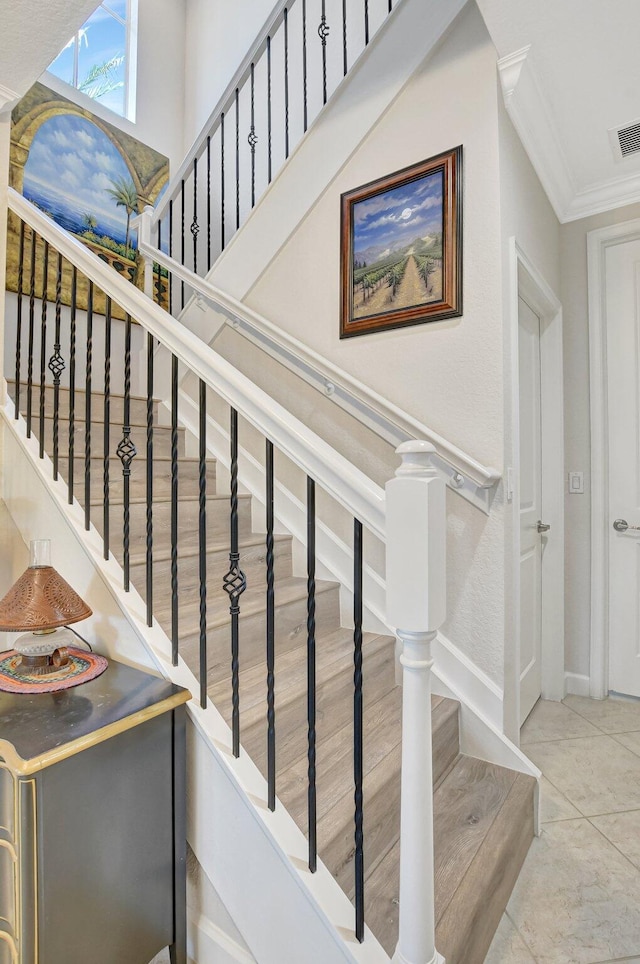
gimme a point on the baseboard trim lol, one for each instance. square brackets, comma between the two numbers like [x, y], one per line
[577, 684]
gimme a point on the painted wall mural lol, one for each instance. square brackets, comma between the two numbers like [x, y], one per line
[88, 176]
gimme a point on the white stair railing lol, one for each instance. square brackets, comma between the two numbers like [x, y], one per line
[409, 517]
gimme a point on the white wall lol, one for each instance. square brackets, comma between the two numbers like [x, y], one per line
[218, 35]
[447, 374]
[577, 430]
[160, 87]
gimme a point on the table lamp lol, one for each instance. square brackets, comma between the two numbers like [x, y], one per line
[38, 604]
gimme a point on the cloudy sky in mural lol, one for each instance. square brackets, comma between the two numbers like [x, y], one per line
[396, 217]
[71, 163]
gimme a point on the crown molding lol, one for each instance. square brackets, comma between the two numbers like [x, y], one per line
[8, 98]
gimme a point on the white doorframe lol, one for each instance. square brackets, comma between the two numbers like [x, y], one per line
[525, 280]
[597, 243]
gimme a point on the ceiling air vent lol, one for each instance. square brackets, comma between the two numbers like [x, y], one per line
[625, 141]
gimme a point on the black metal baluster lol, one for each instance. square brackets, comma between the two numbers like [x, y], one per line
[149, 519]
[269, 172]
[345, 66]
[237, 158]
[208, 203]
[311, 673]
[390, 5]
[126, 451]
[222, 211]
[271, 632]
[16, 398]
[305, 116]
[72, 381]
[32, 311]
[170, 276]
[286, 83]
[358, 765]
[159, 281]
[87, 410]
[182, 243]
[235, 584]
[253, 139]
[56, 367]
[366, 22]
[43, 341]
[174, 510]
[202, 538]
[195, 227]
[106, 429]
[323, 33]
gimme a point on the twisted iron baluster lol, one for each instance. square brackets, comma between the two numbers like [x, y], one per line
[366, 22]
[269, 171]
[358, 766]
[174, 510]
[286, 82]
[311, 673]
[305, 114]
[159, 281]
[56, 367]
[72, 381]
[182, 242]
[195, 227]
[126, 450]
[271, 706]
[43, 341]
[237, 158]
[170, 278]
[344, 38]
[202, 538]
[87, 410]
[19, 322]
[208, 202]
[106, 429]
[32, 311]
[149, 507]
[323, 33]
[253, 140]
[222, 212]
[235, 584]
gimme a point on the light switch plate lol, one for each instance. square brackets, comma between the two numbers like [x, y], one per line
[576, 483]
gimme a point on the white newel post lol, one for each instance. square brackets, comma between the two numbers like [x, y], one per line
[416, 606]
[142, 222]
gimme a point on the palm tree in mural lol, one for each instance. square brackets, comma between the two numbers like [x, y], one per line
[124, 193]
[89, 221]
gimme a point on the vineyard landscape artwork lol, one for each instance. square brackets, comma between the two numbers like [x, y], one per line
[401, 248]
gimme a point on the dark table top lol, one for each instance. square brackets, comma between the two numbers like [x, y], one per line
[43, 725]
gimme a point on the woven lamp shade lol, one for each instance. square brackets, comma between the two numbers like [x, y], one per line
[41, 599]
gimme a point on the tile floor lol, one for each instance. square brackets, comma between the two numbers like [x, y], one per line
[577, 900]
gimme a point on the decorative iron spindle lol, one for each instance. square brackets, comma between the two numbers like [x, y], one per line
[286, 82]
[345, 66]
[159, 281]
[323, 33]
[305, 112]
[237, 158]
[182, 241]
[170, 278]
[208, 203]
[56, 367]
[358, 765]
[202, 536]
[269, 170]
[271, 632]
[19, 321]
[311, 673]
[222, 211]
[253, 139]
[87, 410]
[106, 425]
[195, 227]
[149, 507]
[43, 341]
[235, 584]
[32, 312]
[72, 381]
[174, 510]
[126, 452]
[366, 22]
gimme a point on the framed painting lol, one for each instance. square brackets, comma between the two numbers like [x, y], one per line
[401, 247]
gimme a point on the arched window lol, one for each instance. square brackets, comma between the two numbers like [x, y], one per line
[100, 59]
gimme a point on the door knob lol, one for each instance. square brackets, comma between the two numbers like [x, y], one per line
[542, 526]
[621, 525]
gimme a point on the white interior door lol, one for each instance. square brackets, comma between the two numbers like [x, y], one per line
[530, 509]
[622, 267]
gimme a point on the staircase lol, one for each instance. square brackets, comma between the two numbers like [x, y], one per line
[483, 813]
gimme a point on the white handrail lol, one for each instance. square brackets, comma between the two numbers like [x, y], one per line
[462, 473]
[342, 480]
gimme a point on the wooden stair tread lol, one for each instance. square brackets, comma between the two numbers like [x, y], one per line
[78, 391]
[189, 546]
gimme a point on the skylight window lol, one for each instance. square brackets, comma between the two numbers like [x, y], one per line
[99, 60]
